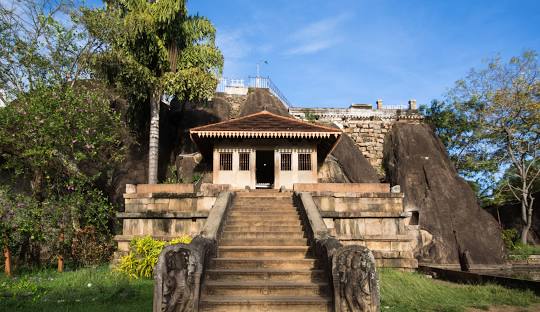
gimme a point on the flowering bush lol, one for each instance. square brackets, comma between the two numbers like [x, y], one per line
[143, 255]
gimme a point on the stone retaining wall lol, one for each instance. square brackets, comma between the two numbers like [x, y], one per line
[164, 211]
[367, 127]
[375, 220]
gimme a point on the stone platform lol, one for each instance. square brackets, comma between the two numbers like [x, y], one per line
[367, 214]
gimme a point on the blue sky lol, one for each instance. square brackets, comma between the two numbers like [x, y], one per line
[334, 53]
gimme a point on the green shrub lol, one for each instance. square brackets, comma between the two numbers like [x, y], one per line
[143, 255]
[509, 237]
[522, 251]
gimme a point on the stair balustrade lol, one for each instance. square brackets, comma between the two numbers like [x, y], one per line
[353, 275]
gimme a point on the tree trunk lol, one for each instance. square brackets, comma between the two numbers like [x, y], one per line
[7, 260]
[37, 185]
[60, 256]
[153, 146]
[527, 225]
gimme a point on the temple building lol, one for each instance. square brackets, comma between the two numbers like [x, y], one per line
[265, 150]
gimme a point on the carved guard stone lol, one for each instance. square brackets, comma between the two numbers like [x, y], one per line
[355, 280]
[177, 275]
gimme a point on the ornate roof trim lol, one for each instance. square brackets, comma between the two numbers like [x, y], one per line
[265, 125]
[266, 134]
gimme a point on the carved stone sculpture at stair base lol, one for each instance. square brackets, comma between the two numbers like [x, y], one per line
[178, 272]
[355, 280]
[177, 275]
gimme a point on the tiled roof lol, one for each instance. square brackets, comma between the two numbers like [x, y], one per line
[264, 124]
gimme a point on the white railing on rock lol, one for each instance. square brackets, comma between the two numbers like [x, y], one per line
[238, 86]
[267, 83]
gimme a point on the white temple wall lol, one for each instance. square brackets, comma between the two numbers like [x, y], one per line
[240, 179]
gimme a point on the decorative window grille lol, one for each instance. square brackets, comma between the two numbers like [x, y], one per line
[304, 162]
[286, 160]
[225, 161]
[244, 161]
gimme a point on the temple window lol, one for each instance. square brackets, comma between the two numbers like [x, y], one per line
[286, 161]
[244, 161]
[225, 161]
[304, 162]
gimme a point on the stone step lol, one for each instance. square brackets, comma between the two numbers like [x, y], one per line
[259, 197]
[264, 214]
[260, 200]
[264, 263]
[240, 222]
[266, 303]
[263, 208]
[269, 217]
[263, 242]
[248, 234]
[269, 193]
[264, 201]
[288, 252]
[248, 209]
[265, 288]
[266, 274]
[264, 228]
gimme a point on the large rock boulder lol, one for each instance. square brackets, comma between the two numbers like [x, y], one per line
[448, 210]
[353, 163]
[261, 99]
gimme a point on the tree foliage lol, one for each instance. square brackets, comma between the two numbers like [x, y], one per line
[78, 217]
[490, 123]
[155, 47]
[61, 137]
[42, 43]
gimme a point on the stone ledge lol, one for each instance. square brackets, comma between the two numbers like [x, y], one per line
[379, 238]
[342, 187]
[358, 195]
[360, 214]
[384, 254]
[128, 238]
[162, 215]
[160, 195]
[160, 188]
[397, 263]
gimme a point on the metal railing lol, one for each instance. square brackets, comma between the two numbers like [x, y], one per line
[226, 84]
[267, 83]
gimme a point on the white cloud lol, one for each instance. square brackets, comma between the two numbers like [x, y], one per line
[232, 44]
[235, 48]
[317, 36]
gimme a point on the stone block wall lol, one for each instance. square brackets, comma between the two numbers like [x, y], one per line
[375, 220]
[367, 127]
[369, 137]
[164, 211]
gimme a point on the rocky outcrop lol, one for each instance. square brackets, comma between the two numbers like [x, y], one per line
[261, 99]
[332, 172]
[448, 210]
[352, 162]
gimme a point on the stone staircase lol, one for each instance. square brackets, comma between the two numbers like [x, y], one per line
[263, 261]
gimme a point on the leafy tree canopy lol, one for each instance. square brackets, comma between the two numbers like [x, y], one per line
[490, 124]
[490, 120]
[61, 137]
[151, 47]
[42, 42]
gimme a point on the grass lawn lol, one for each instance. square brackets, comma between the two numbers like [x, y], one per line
[99, 289]
[89, 289]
